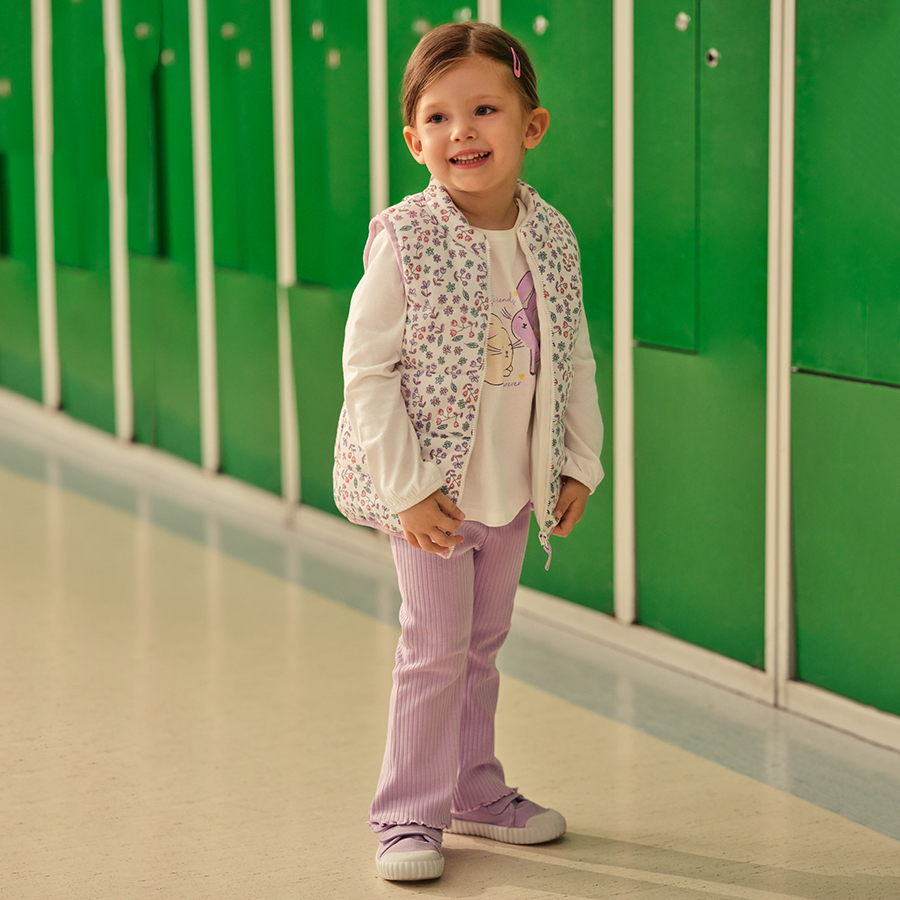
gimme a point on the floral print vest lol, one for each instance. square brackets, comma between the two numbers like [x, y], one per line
[444, 268]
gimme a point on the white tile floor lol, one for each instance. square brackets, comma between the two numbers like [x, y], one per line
[193, 705]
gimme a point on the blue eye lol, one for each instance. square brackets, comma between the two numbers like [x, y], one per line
[484, 110]
[436, 119]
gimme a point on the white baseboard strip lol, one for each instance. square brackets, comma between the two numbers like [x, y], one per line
[845, 715]
[648, 644]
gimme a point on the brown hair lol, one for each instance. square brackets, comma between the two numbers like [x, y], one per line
[449, 45]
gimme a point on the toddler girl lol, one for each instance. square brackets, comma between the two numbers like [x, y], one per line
[469, 400]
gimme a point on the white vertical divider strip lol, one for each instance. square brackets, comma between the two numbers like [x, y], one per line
[378, 110]
[283, 94]
[773, 356]
[118, 217]
[782, 564]
[203, 218]
[489, 11]
[42, 67]
[625, 573]
[290, 427]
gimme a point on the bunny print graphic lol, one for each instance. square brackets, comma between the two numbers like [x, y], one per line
[515, 328]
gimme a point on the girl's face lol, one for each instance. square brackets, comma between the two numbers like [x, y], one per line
[472, 131]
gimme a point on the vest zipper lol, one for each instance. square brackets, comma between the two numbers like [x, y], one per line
[545, 441]
[490, 300]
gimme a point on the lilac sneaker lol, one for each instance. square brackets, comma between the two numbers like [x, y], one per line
[511, 819]
[409, 853]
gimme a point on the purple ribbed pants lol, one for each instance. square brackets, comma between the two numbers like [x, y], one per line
[454, 618]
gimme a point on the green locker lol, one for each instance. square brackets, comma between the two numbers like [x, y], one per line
[845, 432]
[847, 187]
[81, 212]
[408, 21]
[318, 316]
[162, 282]
[700, 417]
[243, 188]
[331, 141]
[572, 169]
[20, 353]
[846, 513]
[665, 182]
[331, 155]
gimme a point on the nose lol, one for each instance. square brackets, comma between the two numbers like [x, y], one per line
[463, 130]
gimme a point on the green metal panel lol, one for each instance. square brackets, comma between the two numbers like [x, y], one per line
[847, 190]
[81, 190]
[846, 493]
[318, 316]
[165, 353]
[84, 325]
[20, 355]
[846, 511]
[666, 88]
[572, 169]
[331, 144]
[142, 44]
[700, 419]
[81, 212]
[247, 332]
[243, 182]
[243, 154]
[408, 20]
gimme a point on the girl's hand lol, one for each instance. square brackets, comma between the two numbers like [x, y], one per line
[431, 524]
[573, 497]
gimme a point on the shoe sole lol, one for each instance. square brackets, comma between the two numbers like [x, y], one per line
[542, 828]
[410, 869]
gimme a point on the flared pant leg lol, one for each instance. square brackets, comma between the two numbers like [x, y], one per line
[454, 618]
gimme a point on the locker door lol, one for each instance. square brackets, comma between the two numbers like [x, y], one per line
[331, 144]
[408, 20]
[572, 169]
[846, 265]
[665, 188]
[846, 429]
[243, 187]
[331, 110]
[81, 212]
[20, 354]
[700, 415]
[161, 226]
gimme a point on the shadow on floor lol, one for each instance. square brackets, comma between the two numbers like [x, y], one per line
[595, 868]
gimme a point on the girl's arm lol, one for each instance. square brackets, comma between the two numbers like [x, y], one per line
[584, 425]
[373, 344]
[581, 471]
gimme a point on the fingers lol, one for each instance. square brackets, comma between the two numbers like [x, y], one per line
[448, 507]
[570, 506]
[437, 542]
[565, 525]
[431, 524]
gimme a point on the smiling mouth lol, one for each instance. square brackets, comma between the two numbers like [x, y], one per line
[470, 159]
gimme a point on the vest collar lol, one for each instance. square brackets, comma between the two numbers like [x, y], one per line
[446, 211]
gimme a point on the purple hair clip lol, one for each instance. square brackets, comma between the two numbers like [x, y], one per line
[517, 66]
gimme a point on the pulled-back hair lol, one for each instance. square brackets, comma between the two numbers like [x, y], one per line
[449, 45]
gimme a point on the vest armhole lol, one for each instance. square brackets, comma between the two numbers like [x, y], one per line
[375, 226]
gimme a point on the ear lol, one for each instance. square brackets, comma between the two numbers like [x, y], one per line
[536, 127]
[415, 145]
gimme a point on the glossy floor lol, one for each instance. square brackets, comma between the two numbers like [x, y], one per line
[193, 706]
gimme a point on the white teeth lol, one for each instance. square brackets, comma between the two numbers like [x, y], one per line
[471, 157]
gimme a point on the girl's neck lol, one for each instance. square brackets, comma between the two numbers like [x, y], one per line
[489, 213]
